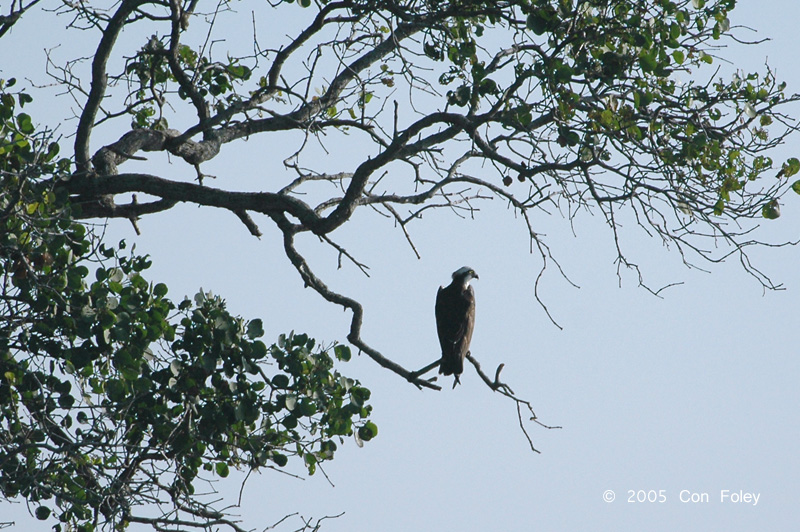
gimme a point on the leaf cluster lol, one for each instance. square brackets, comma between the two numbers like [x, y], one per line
[112, 396]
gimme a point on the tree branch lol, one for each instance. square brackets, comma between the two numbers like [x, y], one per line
[354, 336]
[99, 81]
[504, 389]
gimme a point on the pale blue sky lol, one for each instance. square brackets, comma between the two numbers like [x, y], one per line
[695, 391]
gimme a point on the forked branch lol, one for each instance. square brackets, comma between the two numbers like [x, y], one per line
[504, 389]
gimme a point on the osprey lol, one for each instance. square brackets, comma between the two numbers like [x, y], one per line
[455, 319]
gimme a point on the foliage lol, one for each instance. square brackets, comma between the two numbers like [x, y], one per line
[111, 395]
[615, 107]
[612, 106]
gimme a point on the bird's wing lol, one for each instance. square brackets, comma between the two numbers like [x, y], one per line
[467, 325]
[444, 324]
[454, 321]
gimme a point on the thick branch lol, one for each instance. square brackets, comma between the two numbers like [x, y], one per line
[177, 18]
[109, 157]
[264, 202]
[8, 21]
[131, 211]
[99, 81]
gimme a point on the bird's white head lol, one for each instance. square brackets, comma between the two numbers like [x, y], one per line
[465, 275]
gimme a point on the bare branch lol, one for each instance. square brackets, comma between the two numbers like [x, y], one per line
[15, 12]
[503, 388]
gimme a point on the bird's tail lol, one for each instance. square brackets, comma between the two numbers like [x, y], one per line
[448, 366]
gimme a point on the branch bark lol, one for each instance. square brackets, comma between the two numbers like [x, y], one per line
[99, 82]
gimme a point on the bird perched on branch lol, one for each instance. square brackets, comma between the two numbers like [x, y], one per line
[455, 320]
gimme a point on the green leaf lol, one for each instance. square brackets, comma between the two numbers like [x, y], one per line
[307, 408]
[311, 462]
[208, 362]
[368, 431]
[289, 422]
[460, 97]
[648, 61]
[107, 318]
[160, 290]
[790, 168]
[222, 469]
[280, 381]
[432, 51]
[536, 24]
[674, 31]
[719, 207]
[772, 210]
[564, 73]
[635, 132]
[115, 390]
[342, 352]
[258, 349]
[542, 19]
[487, 86]
[796, 186]
[255, 329]
[239, 71]
[42, 513]
[25, 124]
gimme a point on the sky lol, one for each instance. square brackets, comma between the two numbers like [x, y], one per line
[692, 395]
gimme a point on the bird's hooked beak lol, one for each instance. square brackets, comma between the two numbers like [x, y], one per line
[471, 274]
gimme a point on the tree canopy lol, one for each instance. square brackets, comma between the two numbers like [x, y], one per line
[115, 398]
